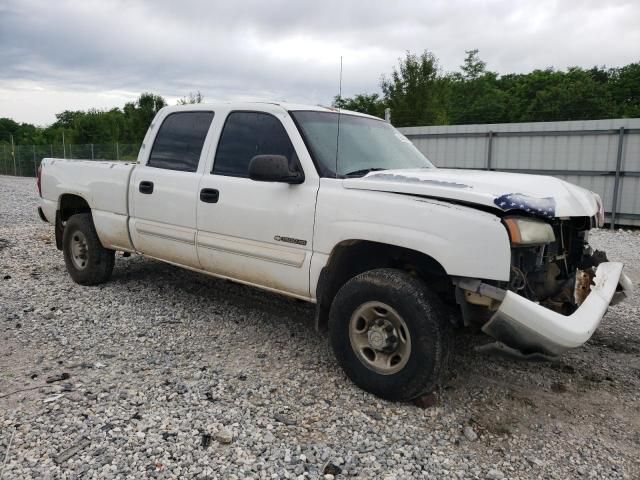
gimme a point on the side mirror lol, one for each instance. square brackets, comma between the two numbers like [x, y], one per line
[273, 168]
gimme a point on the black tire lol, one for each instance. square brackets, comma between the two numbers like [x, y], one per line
[98, 261]
[425, 317]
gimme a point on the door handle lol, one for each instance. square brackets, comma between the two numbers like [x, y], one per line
[146, 187]
[209, 195]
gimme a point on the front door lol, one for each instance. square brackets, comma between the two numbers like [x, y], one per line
[164, 190]
[256, 232]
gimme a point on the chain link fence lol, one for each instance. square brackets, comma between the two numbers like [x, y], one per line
[24, 160]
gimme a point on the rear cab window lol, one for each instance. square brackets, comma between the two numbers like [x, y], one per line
[179, 141]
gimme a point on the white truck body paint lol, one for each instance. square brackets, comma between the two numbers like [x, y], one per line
[104, 186]
[424, 225]
[249, 250]
[279, 236]
[168, 232]
[480, 187]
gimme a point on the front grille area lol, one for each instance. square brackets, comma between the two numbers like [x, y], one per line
[547, 273]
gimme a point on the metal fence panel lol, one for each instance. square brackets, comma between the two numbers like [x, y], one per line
[595, 154]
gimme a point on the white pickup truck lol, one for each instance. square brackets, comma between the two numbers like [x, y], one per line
[340, 209]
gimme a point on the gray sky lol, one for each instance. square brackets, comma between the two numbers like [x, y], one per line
[59, 55]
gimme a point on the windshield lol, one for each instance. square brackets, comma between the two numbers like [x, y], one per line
[364, 144]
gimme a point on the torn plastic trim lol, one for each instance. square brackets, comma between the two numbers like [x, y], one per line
[625, 288]
[477, 286]
[531, 328]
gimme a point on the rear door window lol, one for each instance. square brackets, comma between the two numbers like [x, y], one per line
[179, 141]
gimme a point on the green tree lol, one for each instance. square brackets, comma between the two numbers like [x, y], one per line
[139, 115]
[624, 86]
[67, 118]
[550, 95]
[475, 94]
[191, 98]
[371, 104]
[473, 68]
[8, 129]
[415, 92]
[127, 125]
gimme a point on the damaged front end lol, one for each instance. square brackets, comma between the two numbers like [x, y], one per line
[559, 288]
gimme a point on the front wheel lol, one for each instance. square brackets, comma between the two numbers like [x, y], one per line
[87, 261]
[390, 334]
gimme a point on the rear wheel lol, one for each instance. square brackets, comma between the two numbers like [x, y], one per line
[390, 334]
[87, 261]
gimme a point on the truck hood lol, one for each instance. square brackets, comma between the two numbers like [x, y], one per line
[538, 195]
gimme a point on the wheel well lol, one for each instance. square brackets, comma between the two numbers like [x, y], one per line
[68, 205]
[353, 257]
[72, 204]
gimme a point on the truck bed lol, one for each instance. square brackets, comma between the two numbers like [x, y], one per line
[102, 184]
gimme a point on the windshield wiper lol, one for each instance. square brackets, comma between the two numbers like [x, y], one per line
[363, 172]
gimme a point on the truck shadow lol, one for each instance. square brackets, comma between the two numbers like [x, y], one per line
[188, 287]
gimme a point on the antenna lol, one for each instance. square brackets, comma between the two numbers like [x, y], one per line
[340, 88]
[339, 112]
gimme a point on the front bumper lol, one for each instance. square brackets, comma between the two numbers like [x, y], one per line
[531, 328]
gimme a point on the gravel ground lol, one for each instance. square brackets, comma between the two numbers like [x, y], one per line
[165, 373]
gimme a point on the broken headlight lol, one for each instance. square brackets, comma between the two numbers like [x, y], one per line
[528, 231]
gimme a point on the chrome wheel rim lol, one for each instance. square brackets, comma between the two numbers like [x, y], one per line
[380, 338]
[79, 250]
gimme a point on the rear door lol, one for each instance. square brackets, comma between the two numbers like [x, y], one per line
[164, 189]
[257, 232]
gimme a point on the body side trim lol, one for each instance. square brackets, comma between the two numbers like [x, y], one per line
[260, 250]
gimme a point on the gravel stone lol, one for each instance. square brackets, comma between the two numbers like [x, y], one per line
[470, 434]
[160, 358]
[224, 436]
[494, 474]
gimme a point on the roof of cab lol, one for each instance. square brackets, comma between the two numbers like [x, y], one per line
[284, 105]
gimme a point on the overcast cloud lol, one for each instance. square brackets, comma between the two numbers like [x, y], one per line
[57, 55]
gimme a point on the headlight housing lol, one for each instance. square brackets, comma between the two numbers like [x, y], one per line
[528, 231]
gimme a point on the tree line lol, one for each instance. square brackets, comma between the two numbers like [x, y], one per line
[416, 91]
[419, 93]
[123, 125]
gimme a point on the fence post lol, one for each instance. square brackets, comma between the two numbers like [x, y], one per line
[489, 150]
[92, 151]
[13, 154]
[35, 167]
[616, 185]
[51, 146]
[70, 154]
[117, 151]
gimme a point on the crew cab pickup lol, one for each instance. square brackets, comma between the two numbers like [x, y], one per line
[339, 209]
